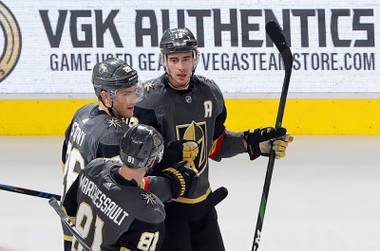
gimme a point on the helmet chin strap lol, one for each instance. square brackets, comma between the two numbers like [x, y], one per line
[109, 109]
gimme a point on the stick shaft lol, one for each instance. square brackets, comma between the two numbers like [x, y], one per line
[66, 221]
[287, 58]
[30, 192]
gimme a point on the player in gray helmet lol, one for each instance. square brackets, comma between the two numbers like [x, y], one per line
[96, 128]
[107, 203]
[191, 107]
[116, 86]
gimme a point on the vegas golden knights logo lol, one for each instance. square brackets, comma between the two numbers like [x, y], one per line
[196, 131]
[10, 42]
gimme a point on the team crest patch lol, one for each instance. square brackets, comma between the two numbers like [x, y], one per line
[149, 199]
[113, 123]
[148, 86]
[195, 131]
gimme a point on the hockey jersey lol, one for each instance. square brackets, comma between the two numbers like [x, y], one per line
[92, 134]
[195, 114]
[113, 213]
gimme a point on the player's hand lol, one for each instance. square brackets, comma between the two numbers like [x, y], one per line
[262, 140]
[180, 176]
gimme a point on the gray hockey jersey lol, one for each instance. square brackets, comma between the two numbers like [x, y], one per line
[113, 213]
[92, 133]
[195, 114]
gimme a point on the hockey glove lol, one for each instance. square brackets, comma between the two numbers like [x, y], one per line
[262, 140]
[180, 176]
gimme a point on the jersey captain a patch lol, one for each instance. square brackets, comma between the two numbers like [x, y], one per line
[196, 131]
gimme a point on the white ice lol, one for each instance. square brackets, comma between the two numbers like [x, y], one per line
[325, 196]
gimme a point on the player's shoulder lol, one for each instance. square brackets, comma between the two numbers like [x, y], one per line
[112, 130]
[84, 112]
[145, 206]
[210, 85]
[98, 165]
[154, 86]
[104, 128]
[203, 79]
[154, 92]
[206, 82]
[91, 119]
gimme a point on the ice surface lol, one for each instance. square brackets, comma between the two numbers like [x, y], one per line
[325, 196]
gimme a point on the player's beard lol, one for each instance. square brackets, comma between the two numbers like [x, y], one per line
[123, 113]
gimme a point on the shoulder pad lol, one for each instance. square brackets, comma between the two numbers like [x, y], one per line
[111, 129]
[83, 113]
[210, 83]
[153, 84]
[144, 205]
[206, 81]
[154, 91]
[99, 164]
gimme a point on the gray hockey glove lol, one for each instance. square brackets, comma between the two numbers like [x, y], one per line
[262, 140]
[180, 176]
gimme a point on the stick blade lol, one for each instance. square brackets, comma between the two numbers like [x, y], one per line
[274, 31]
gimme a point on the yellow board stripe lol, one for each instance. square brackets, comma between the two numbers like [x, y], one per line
[308, 116]
[37, 117]
[302, 116]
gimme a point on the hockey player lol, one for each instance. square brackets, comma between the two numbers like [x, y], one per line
[191, 107]
[96, 129]
[108, 206]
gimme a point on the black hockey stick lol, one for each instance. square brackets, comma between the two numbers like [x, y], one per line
[29, 192]
[66, 221]
[275, 33]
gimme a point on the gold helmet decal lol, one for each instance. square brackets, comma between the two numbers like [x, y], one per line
[195, 132]
[11, 50]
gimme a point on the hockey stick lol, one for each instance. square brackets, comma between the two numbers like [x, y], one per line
[68, 224]
[275, 33]
[29, 192]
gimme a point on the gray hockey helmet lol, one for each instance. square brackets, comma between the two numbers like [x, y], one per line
[178, 40]
[141, 146]
[112, 74]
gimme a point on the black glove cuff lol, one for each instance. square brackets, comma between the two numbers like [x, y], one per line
[178, 183]
[253, 147]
